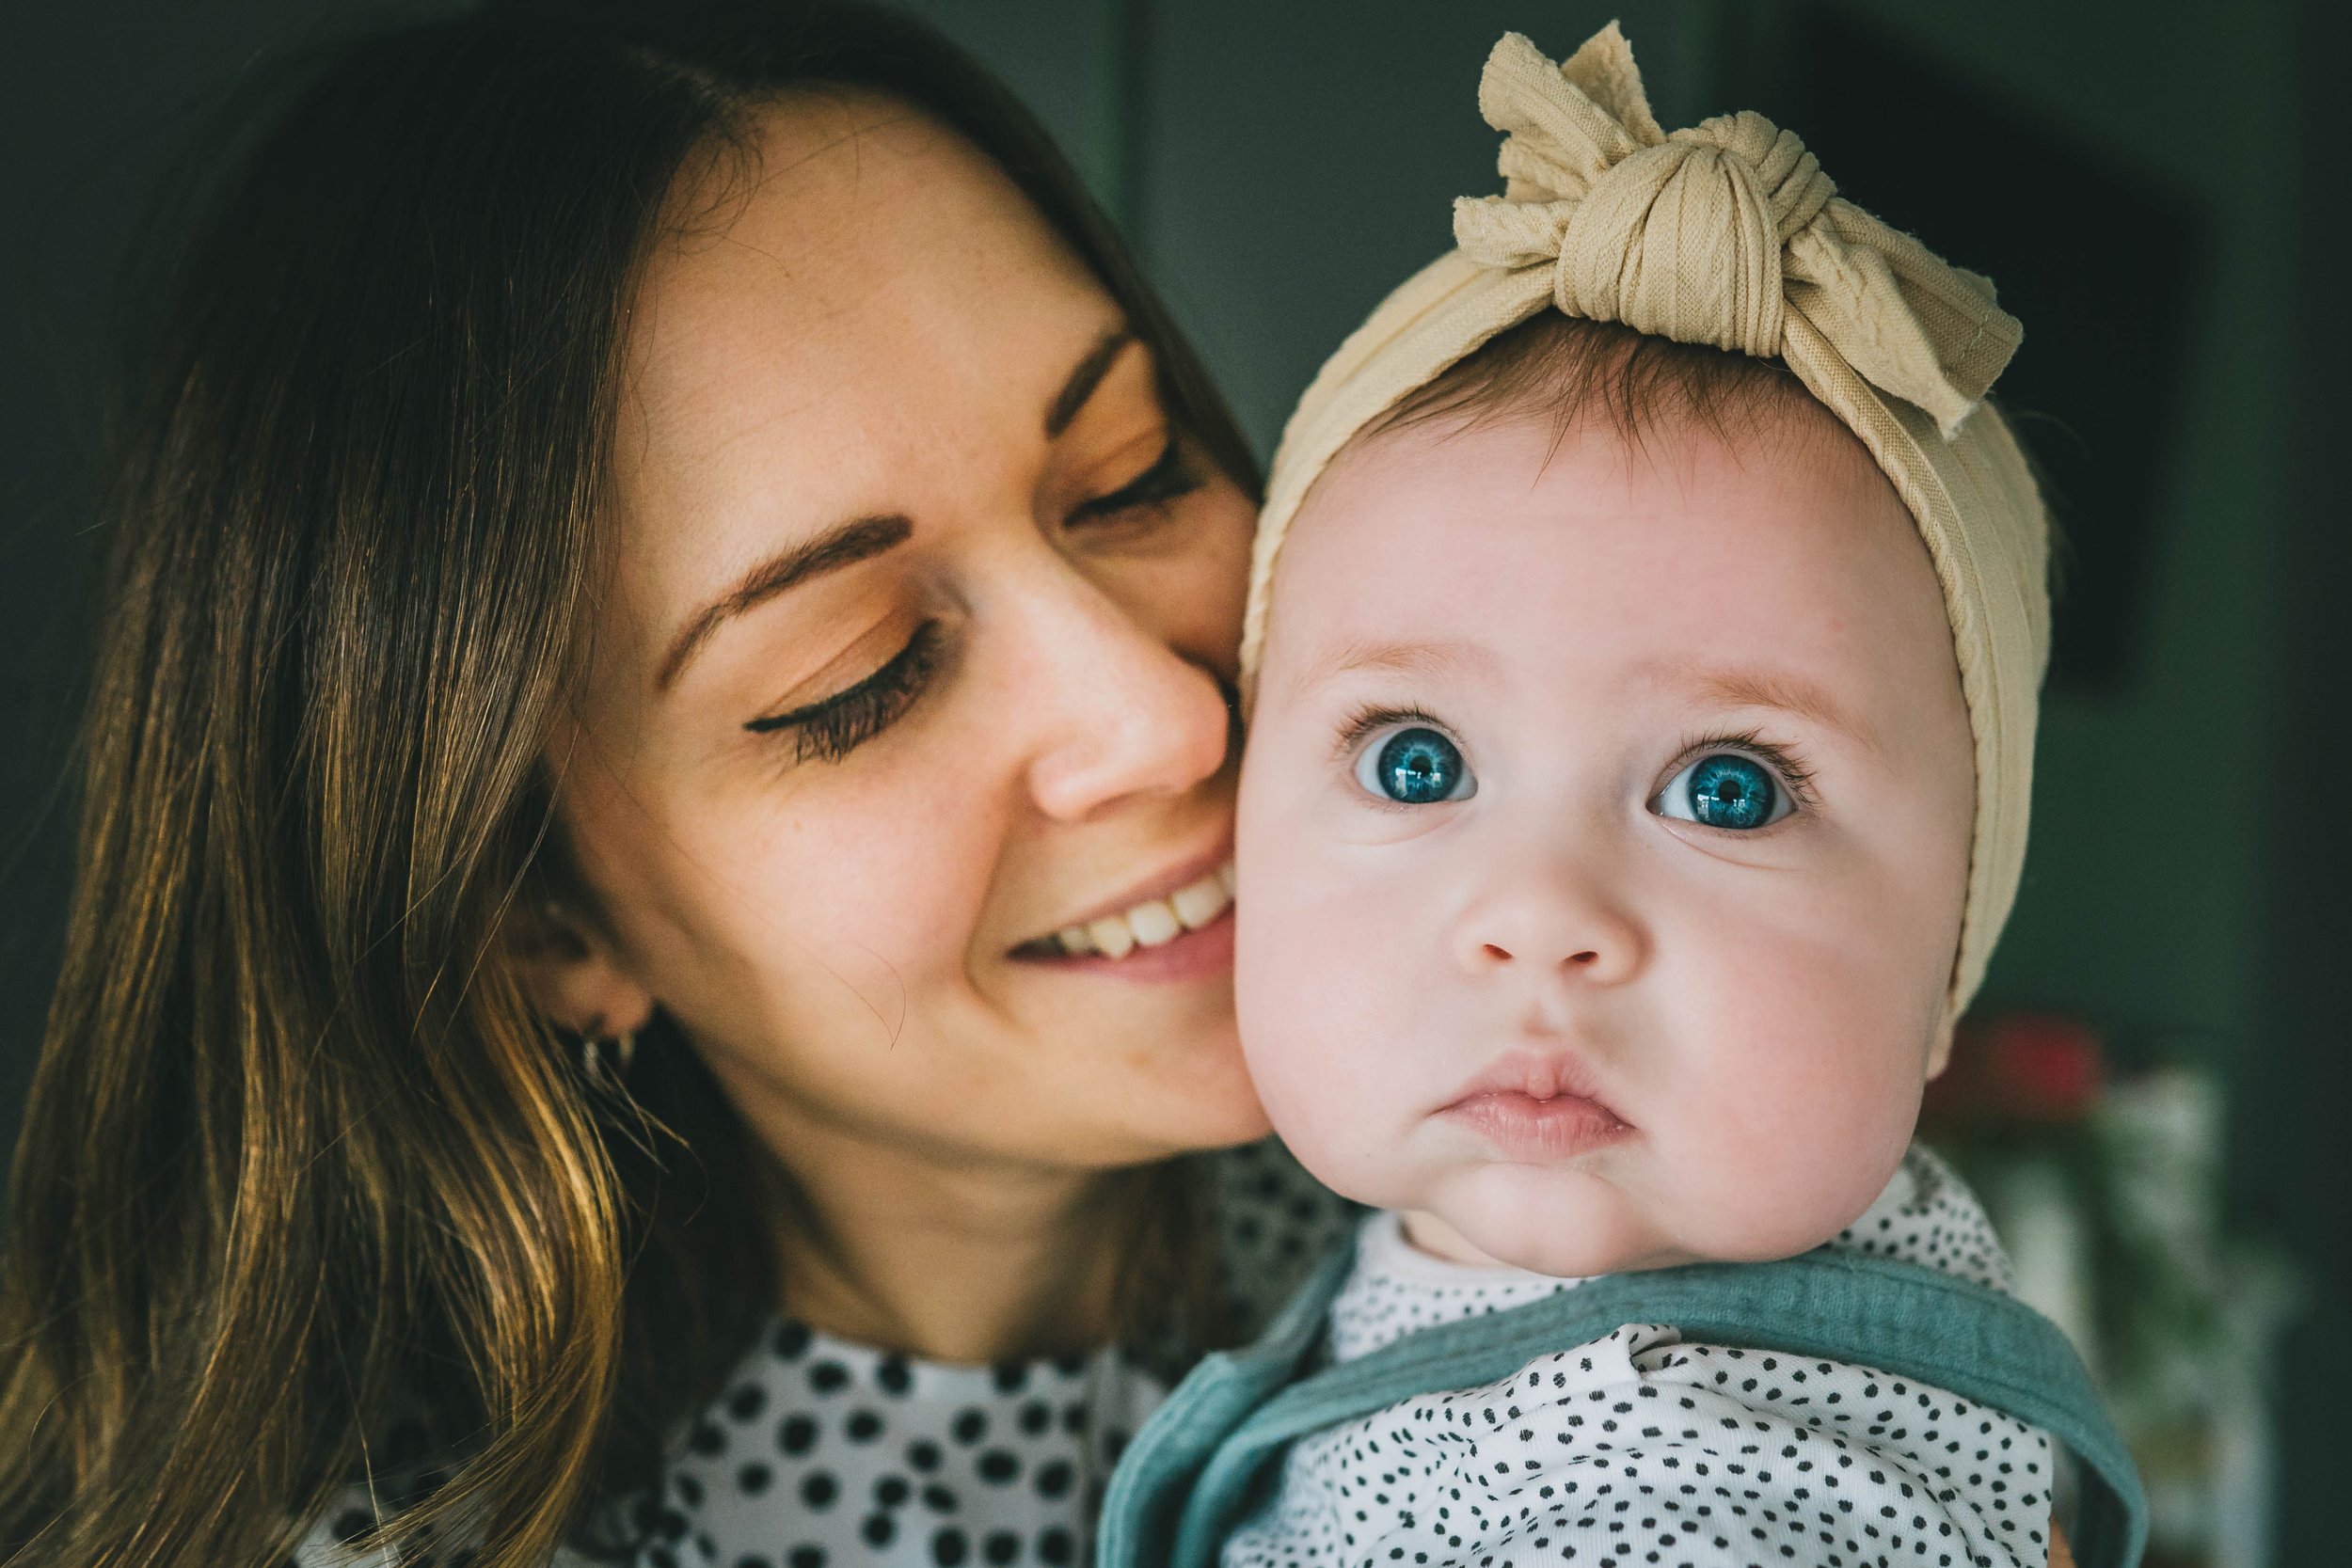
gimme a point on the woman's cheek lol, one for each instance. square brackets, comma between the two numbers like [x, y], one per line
[839, 914]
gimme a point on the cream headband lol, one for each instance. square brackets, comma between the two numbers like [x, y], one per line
[1730, 234]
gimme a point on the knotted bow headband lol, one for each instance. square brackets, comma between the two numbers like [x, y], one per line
[1730, 234]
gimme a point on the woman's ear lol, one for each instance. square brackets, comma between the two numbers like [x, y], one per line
[571, 972]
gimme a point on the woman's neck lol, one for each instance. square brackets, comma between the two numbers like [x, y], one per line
[953, 1259]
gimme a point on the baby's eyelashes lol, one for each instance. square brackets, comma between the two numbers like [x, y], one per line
[1413, 765]
[1403, 756]
[1725, 789]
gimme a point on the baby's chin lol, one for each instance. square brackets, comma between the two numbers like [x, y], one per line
[1574, 1223]
[1544, 1252]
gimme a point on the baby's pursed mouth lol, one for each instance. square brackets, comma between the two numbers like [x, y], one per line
[1521, 1125]
[1529, 1081]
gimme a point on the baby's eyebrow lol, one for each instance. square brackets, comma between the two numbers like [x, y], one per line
[1399, 659]
[1773, 688]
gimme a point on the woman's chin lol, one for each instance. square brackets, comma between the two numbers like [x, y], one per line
[1241, 1121]
[1194, 1101]
[1201, 1103]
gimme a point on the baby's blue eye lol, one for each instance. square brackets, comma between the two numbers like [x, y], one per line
[1725, 789]
[1416, 767]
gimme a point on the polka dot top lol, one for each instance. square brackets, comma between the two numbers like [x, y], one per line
[823, 1453]
[1644, 1449]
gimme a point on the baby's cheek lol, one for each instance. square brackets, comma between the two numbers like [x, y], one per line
[1306, 990]
[1817, 1083]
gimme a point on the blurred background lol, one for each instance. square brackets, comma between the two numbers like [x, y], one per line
[2155, 1090]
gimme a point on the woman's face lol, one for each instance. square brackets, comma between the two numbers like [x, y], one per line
[912, 659]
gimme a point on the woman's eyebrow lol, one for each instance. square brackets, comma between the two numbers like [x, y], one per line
[845, 544]
[862, 538]
[1084, 377]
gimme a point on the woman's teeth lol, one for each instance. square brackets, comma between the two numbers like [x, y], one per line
[1154, 920]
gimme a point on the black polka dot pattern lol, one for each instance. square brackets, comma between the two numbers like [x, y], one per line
[1640, 1449]
[819, 1453]
[1274, 1221]
[900, 1461]
[1395, 1288]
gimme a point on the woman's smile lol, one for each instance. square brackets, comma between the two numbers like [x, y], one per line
[1175, 909]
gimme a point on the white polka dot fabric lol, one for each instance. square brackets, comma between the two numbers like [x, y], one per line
[1395, 1288]
[824, 1453]
[1643, 1449]
[821, 1453]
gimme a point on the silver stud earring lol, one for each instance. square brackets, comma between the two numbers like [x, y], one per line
[606, 1062]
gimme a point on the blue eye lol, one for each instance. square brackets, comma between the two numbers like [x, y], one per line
[1416, 767]
[1725, 789]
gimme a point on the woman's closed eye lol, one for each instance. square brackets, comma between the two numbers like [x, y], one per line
[831, 728]
[1172, 474]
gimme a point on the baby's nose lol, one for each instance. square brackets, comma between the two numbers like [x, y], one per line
[1542, 926]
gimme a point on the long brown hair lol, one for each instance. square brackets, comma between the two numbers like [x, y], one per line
[299, 1155]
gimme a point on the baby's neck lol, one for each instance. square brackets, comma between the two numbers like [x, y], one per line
[1427, 1233]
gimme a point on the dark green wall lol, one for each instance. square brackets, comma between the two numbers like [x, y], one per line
[2151, 919]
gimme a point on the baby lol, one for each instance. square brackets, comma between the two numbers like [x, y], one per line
[1642, 660]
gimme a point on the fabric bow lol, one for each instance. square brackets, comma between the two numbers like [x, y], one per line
[1716, 234]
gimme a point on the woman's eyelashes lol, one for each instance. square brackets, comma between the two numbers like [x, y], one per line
[1737, 784]
[1172, 474]
[830, 729]
[1405, 759]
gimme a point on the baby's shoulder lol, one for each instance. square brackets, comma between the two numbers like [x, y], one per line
[1928, 1216]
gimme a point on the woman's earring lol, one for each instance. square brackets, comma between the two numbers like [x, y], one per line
[604, 1073]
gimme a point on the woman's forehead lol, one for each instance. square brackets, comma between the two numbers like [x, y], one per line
[865, 305]
[859, 249]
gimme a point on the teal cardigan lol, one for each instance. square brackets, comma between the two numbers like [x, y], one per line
[1208, 1454]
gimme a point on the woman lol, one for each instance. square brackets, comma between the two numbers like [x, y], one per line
[649, 919]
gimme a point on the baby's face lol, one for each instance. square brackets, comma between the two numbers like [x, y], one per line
[1604, 832]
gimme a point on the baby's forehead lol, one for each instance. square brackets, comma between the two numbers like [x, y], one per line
[1568, 373]
[1579, 546]
[1765, 425]
[1588, 465]
[1615, 441]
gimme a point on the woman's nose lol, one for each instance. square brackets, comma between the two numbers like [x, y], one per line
[1542, 919]
[1123, 713]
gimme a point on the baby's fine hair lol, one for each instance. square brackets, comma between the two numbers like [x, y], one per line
[1571, 374]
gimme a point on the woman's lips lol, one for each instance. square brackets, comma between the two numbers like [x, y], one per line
[1188, 897]
[1191, 955]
